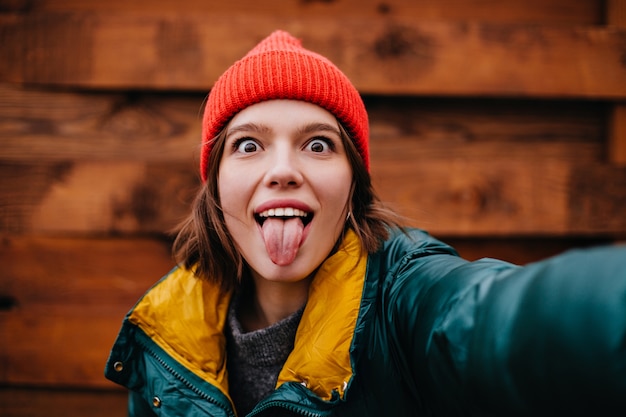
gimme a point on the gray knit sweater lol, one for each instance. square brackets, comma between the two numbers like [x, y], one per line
[256, 358]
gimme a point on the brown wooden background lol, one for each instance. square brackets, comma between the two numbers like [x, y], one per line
[499, 126]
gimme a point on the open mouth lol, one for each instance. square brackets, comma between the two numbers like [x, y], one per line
[283, 230]
[284, 213]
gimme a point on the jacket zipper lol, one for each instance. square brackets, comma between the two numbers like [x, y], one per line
[287, 406]
[188, 384]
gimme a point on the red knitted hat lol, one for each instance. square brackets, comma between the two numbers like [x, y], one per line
[280, 68]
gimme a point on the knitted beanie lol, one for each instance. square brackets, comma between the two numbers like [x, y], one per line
[280, 68]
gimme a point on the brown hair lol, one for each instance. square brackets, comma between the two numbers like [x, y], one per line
[204, 245]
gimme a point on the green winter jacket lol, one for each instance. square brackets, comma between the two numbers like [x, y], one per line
[412, 330]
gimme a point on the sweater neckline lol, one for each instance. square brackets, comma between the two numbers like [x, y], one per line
[265, 347]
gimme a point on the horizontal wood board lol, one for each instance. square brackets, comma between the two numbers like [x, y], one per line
[399, 55]
[566, 12]
[63, 301]
[34, 402]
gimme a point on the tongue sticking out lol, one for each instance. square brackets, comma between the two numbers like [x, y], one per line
[282, 239]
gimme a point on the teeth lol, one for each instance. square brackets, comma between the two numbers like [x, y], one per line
[283, 212]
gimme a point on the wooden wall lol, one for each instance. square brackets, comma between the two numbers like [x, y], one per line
[499, 126]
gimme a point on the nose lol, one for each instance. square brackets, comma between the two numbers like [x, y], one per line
[284, 169]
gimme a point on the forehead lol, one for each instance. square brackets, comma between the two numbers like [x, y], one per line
[282, 114]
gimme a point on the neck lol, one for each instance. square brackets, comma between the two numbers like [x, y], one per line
[271, 302]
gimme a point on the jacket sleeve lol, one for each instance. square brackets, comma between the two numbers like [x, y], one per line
[545, 339]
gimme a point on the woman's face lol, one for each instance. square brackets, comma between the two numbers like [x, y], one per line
[284, 183]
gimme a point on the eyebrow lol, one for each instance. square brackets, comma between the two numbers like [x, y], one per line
[319, 127]
[261, 128]
[248, 127]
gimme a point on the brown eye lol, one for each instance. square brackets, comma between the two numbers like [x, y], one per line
[246, 146]
[319, 145]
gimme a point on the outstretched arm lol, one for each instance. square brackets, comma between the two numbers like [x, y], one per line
[547, 338]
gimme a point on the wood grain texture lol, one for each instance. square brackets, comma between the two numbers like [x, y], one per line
[617, 135]
[467, 197]
[43, 125]
[57, 348]
[32, 402]
[63, 301]
[60, 126]
[616, 17]
[615, 13]
[78, 272]
[95, 198]
[399, 55]
[580, 12]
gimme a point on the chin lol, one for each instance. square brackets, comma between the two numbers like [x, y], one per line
[294, 272]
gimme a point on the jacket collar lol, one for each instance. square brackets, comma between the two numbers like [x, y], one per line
[321, 356]
[185, 316]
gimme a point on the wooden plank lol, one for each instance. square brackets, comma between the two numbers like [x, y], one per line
[383, 56]
[596, 213]
[580, 12]
[505, 197]
[29, 402]
[464, 180]
[64, 301]
[500, 169]
[57, 348]
[486, 129]
[617, 135]
[77, 273]
[616, 12]
[616, 17]
[54, 126]
[41, 125]
[98, 197]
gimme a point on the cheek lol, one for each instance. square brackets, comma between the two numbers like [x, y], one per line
[336, 192]
[341, 182]
[230, 191]
[231, 188]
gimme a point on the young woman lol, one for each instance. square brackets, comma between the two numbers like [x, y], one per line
[297, 293]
